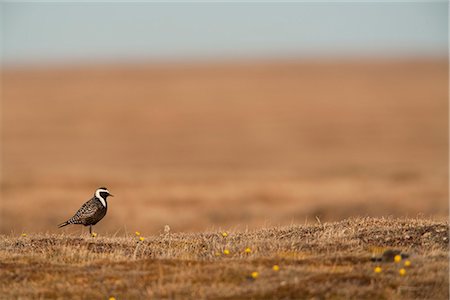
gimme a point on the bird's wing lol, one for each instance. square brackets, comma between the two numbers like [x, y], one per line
[87, 210]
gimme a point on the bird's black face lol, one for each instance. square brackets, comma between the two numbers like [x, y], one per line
[103, 192]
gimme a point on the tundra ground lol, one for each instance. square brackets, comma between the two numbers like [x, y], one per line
[322, 261]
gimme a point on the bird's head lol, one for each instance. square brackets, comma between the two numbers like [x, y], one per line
[103, 193]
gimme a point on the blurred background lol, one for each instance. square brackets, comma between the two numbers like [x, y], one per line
[222, 115]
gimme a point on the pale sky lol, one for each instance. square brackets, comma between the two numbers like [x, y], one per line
[40, 33]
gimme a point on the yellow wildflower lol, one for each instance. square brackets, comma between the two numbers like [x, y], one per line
[276, 268]
[112, 298]
[94, 234]
[255, 275]
[137, 233]
[141, 239]
[226, 252]
[24, 234]
[398, 258]
[407, 263]
[248, 250]
[402, 272]
[377, 270]
[225, 234]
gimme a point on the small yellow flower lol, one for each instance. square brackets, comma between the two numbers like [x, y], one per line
[276, 268]
[402, 272]
[226, 252]
[24, 234]
[225, 234]
[248, 250]
[407, 263]
[141, 239]
[112, 298]
[94, 234]
[137, 233]
[255, 275]
[377, 270]
[398, 258]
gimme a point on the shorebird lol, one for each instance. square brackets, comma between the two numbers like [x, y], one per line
[92, 211]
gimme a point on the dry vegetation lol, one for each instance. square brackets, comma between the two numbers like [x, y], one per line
[236, 146]
[328, 260]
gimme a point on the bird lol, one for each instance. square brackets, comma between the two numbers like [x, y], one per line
[91, 212]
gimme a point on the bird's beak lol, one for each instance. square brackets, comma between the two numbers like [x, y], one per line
[111, 195]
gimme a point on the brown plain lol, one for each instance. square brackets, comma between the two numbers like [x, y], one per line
[269, 151]
[199, 146]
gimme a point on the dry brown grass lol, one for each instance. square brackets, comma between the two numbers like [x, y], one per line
[322, 261]
[256, 145]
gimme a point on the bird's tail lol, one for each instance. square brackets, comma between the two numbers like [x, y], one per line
[63, 224]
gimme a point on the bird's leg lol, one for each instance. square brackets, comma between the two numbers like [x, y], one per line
[90, 230]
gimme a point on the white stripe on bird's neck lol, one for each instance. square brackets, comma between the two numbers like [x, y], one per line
[97, 195]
